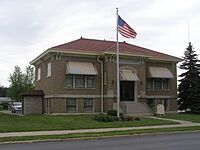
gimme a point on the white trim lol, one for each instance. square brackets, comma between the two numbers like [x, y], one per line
[53, 50]
[39, 73]
[49, 69]
[40, 56]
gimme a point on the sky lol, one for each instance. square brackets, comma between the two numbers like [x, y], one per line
[27, 28]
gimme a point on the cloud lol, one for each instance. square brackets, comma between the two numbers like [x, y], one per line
[29, 27]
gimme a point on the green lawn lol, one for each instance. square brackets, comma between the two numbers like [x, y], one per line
[187, 117]
[13, 123]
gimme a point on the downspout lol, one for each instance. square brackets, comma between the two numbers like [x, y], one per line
[101, 62]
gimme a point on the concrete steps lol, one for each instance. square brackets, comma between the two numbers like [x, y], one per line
[135, 108]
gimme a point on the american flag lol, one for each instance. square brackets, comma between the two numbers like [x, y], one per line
[124, 29]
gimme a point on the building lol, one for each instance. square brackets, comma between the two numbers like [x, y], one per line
[80, 77]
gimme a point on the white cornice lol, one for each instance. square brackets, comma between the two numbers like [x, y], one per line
[98, 53]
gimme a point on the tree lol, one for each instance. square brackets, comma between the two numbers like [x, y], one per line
[3, 91]
[189, 87]
[20, 82]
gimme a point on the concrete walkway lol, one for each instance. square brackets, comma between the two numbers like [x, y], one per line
[60, 132]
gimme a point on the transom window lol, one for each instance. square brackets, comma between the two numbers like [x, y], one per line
[79, 81]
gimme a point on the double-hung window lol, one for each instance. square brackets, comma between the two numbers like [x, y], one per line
[88, 105]
[158, 84]
[69, 81]
[48, 69]
[38, 73]
[79, 81]
[70, 105]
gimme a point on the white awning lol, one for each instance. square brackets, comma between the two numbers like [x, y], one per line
[128, 75]
[82, 68]
[160, 72]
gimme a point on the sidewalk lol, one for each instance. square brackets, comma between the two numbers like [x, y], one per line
[60, 132]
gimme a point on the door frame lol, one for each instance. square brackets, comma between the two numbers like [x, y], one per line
[135, 89]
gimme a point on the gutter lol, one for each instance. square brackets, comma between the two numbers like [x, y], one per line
[102, 85]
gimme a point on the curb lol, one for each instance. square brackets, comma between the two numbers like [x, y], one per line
[96, 138]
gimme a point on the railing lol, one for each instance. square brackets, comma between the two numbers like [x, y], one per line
[147, 106]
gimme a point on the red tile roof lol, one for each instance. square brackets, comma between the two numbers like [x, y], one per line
[83, 45]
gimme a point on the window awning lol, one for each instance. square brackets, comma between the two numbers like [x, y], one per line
[160, 72]
[81, 68]
[128, 75]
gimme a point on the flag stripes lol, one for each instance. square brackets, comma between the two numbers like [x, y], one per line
[124, 29]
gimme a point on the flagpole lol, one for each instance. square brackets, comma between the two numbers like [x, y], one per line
[118, 86]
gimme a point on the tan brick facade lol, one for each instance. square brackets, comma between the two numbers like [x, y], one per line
[56, 92]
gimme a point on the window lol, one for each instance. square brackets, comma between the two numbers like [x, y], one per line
[69, 81]
[79, 81]
[88, 105]
[49, 69]
[158, 84]
[71, 105]
[38, 73]
[90, 81]
[165, 84]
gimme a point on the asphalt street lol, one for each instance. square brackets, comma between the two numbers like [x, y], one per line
[178, 141]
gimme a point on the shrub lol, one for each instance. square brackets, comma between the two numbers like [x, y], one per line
[126, 117]
[112, 112]
[130, 118]
[1, 107]
[4, 105]
[105, 118]
[137, 118]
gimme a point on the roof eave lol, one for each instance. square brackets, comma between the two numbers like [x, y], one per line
[55, 50]
[165, 59]
[68, 51]
[39, 57]
[126, 54]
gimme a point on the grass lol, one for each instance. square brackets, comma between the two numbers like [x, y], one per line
[13, 123]
[98, 135]
[187, 117]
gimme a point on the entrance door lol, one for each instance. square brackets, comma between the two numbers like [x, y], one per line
[126, 90]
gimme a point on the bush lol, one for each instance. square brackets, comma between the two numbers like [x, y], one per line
[130, 118]
[105, 118]
[1, 107]
[137, 118]
[112, 112]
[126, 117]
[4, 105]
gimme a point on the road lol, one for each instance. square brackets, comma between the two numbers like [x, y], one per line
[179, 141]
